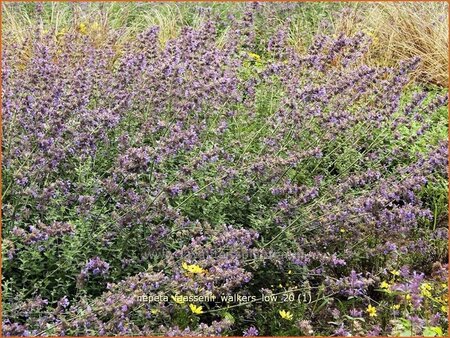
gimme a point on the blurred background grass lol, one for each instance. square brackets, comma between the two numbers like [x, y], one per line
[398, 30]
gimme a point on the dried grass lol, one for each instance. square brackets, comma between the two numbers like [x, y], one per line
[401, 31]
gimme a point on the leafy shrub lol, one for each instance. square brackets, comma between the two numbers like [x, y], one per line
[202, 168]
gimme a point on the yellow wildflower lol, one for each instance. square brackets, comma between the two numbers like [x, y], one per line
[254, 56]
[286, 315]
[444, 308]
[95, 26]
[61, 33]
[192, 268]
[385, 286]
[342, 230]
[426, 286]
[395, 272]
[154, 311]
[82, 28]
[196, 309]
[425, 289]
[395, 306]
[372, 311]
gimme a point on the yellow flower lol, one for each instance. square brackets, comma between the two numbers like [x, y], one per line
[395, 307]
[342, 230]
[178, 299]
[425, 289]
[286, 315]
[95, 26]
[385, 285]
[425, 286]
[198, 310]
[444, 308]
[61, 33]
[372, 311]
[395, 272]
[154, 311]
[254, 56]
[82, 28]
[192, 268]
[408, 297]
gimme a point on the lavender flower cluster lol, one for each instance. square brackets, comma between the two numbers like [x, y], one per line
[221, 162]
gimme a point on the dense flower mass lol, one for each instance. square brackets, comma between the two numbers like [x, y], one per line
[222, 164]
